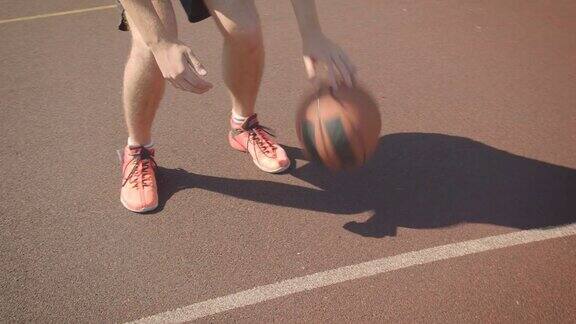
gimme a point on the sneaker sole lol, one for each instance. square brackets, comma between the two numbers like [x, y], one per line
[235, 145]
[140, 210]
[279, 170]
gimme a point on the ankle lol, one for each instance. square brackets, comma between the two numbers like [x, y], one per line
[134, 143]
[238, 118]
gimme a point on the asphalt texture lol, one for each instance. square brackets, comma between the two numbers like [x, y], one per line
[478, 135]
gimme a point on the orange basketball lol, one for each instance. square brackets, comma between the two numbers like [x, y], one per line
[339, 128]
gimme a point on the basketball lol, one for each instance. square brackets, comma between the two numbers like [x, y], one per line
[339, 128]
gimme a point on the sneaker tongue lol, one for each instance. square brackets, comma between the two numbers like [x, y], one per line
[250, 122]
[138, 150]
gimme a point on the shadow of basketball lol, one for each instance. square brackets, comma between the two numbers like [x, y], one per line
[415, 180]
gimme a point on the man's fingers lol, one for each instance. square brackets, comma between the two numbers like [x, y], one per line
[197, 84]
[185, 85]
[198, 67]
[192, 85]
[196, 81]
[189, 81]
[311, 71]
[348, 62]
[174, 84]
[310, 68]
[344, 71]
[332, 76]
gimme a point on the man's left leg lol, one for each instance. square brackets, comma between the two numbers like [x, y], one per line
[243, 62]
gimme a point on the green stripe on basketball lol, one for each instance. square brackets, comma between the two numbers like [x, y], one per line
[337, 135]
[309, 140]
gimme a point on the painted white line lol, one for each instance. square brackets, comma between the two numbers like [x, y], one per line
[326, 278]
[54, 14]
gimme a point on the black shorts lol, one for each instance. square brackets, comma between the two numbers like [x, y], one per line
[196, 11]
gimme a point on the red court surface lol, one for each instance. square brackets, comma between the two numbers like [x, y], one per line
[478, 139]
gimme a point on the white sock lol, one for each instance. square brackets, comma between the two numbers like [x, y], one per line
[132, 143]
[237, 118]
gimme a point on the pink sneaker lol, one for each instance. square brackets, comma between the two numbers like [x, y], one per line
[258, 140]
[139, 191]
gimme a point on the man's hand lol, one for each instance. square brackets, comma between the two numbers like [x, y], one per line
[321, 53]
[322, 57]
[180, 66]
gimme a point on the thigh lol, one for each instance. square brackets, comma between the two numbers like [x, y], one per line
[165, 12]
[235, 16]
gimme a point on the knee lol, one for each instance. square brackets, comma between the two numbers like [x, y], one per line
[247, 36]
[142, 59]
[141, 52]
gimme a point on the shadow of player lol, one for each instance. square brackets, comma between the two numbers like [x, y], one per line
[415, 180]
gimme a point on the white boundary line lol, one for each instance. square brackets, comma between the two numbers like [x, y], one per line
[54, 14]
[330, 277]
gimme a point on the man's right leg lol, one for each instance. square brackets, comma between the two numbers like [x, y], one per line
[143, 81]
[143, 89]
